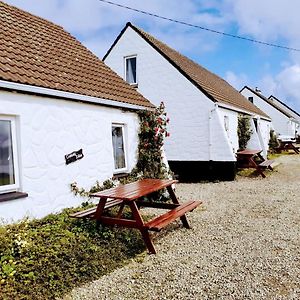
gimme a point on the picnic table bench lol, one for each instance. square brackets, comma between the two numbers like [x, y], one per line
[131, 195]
[253, 159]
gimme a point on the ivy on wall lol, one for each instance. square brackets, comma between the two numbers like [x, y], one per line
[244, 131]
[153, 131]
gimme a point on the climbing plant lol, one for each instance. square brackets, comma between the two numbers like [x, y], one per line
[244, 131]
[152, 133]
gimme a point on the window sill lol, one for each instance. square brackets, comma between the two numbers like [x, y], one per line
[12, 196]
[134, 85]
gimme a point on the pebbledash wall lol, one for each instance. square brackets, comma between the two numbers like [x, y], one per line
[196, 128]
[47, 130]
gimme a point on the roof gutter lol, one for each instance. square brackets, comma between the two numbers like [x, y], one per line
[66, 95]
[223, 105]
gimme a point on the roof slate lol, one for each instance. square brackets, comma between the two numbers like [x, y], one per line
[214, 87]
[36, 52]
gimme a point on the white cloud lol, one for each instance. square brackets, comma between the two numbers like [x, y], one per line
[237, 80]
[267, 19]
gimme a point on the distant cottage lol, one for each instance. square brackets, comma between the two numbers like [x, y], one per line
[285, 121]
[203, 108]
[64, 116]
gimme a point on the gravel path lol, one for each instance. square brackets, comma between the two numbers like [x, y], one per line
[245, 244]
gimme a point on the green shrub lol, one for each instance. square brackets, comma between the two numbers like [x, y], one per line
[244, 131]
[273, 141]
[43, 259]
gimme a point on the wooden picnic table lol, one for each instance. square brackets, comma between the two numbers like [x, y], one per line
[131, 195]
[285, 145]
[249, 158]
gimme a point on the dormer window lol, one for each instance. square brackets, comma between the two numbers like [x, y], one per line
[130, 70]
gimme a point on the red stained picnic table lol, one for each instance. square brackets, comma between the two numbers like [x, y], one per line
[288, 145]
[249, 158]
[131, 195]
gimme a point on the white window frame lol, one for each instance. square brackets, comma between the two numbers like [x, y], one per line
[136, 69]
[16, 185]
[125, 169]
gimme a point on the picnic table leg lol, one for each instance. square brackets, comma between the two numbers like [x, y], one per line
[100, 210]
[183, 218]
[140, 225]
[255, 165]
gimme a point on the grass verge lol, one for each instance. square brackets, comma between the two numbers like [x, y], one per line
[44, 259]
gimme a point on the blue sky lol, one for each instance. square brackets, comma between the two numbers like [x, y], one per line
[274, 71]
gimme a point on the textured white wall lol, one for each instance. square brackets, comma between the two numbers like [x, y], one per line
[187, 108]
[50, 128]
[280, 122]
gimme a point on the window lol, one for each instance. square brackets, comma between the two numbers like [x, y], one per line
[250, 99]
[9, 179]
[130, 69]
[119, 147]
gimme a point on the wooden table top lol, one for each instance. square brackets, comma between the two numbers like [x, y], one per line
[248, 152]
[135, 190]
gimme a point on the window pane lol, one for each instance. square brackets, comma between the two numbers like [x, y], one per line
[131, 70]
[7, 175]
[118, 147]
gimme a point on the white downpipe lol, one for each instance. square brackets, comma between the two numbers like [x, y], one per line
[210, 132]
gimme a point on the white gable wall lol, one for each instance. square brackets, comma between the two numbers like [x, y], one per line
[280, 122]
[47, 130]
[188, 108]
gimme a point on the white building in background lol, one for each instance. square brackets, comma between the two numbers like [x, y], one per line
[284, 122]
[295, 115]
[203, 108]
[64, 117]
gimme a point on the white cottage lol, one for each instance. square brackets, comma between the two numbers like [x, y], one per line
[284, 122]
[294, 115]
[203, 108]
[64, 116]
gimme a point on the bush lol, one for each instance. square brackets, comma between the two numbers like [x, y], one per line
[273, 141]
[244, 131]
[43, 259]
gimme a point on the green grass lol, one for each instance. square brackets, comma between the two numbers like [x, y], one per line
[44, 259]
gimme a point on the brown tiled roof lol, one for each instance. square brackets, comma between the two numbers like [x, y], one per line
[37, 52]
[284, 104]
[211, 85]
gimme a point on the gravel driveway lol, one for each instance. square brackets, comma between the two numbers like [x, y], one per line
[245, 244]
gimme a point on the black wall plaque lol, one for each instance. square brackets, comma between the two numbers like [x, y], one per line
[75, 155]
